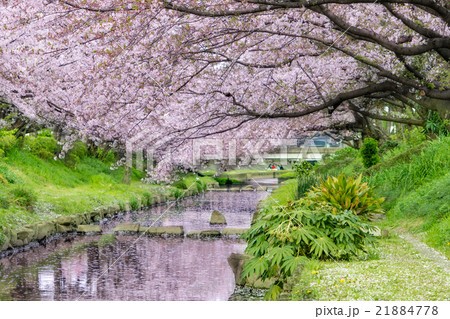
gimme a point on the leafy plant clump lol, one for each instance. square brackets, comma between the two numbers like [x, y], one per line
[23, 197]
[283, 238]
[134, 203]
[348, 194]
[302, 168]
[369, 152]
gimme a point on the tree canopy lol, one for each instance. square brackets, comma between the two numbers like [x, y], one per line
[168, 72]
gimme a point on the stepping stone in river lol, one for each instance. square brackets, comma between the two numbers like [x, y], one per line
[163, 231]
[89, 229]
[233, 232]
[127, 228]
[217, 218]
[203, 233]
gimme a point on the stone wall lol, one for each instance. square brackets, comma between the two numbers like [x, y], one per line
[45, 230]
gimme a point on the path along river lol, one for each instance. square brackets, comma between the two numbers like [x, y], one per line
[136, 268]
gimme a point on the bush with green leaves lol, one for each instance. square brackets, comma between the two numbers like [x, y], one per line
[302, 168]
[42, 146]
[78, 151]
[435, 124]
[348, 193]
[7, 140]
[282, 239]
[369, 152]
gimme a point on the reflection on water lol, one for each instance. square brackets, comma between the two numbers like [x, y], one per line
[194, 213]
[78, 268]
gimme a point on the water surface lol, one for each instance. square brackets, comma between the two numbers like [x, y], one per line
[136, 268]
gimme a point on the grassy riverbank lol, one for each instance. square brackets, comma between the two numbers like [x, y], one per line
[34, 189]
[415, 179]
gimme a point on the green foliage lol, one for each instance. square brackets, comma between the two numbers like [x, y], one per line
[23, 197]
[227, 181]
[201, 186]
[409, 170]
[303, 168]
[6, 176]
[177, 193]
[327, 157]
[369, 152]
[347, 194]
[305, 183]
[5, 201]
[387, 146]
[283, 238]
[78, 151]
[409, 138]
[45, 133]
[106, 155]
[146, 199]
[6, 132]
[134, 203]
[42, 146]
[435, 124]
[343, 160]
[121, 205]
[101, 179]
[430, 202]
[7, 142]
[287, 175]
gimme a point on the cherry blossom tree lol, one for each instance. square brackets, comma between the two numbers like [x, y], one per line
[164, 73]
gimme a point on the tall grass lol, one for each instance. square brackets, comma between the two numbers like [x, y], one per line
[401, 177]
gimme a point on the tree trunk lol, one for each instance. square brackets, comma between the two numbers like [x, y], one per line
[126, 175]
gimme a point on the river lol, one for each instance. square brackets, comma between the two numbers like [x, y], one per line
[136, 267]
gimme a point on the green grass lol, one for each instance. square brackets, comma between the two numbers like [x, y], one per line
[201, 183]
[425, 211]
[227, 181]
[288, 175]
[414, 178]
[394, 271]
[55, 189]
[284, 194]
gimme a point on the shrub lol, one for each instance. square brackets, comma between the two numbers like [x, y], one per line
[42, 146]
[134, 203]
[78, 151]
[369, 152]
[45, 133]
[283, 238]
[23, 197]
[347, 194]
[302, 168]
[7, 142]
[435, 124]
[346, 153]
